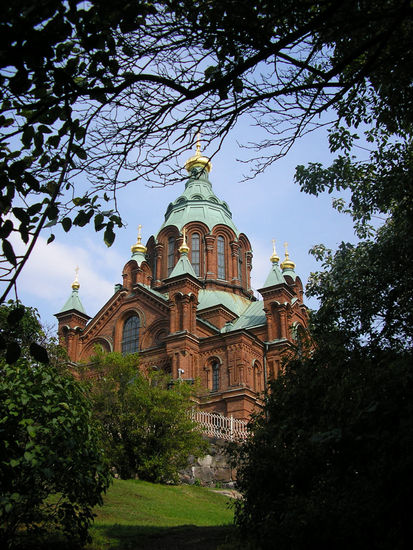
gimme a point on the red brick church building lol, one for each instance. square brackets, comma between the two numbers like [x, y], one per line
[186, 304]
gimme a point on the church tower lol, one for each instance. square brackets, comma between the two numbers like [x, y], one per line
[186, 305]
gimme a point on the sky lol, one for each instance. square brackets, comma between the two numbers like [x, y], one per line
[269, 207]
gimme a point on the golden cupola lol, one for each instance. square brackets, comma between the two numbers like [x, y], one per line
[287, 264]
[198, 160]
[76, 284]
[138, 247]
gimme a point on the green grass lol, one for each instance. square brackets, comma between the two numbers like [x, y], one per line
[141, 515]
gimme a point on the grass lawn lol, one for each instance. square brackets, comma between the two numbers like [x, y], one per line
[141, 515]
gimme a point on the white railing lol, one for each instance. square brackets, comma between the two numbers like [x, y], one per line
[220, 426]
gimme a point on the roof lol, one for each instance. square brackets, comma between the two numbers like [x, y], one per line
[233, 302]
[153, 291]
[198, 203]
[139, 257]
[253, 316]
[73, 302]
[182, 267]
[291, 273]
[275, 277]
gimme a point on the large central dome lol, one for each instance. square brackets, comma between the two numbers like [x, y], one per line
[198, 203]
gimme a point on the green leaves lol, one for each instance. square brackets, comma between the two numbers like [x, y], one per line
[16, 315]
[334, 436]
[66, 224]
[9, 252]
[147, 430]
[81, 153]
[109, 235]
[45, 427]
[20, 333]
[13, 353]
[20, 82]
[99, 222]
[39, 353]
[83, 218]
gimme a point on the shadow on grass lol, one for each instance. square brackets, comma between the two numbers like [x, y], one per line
[183, 537]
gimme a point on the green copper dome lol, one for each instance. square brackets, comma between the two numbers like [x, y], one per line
[198, 203]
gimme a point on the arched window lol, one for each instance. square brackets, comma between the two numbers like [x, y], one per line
[257, 376]
[130, 335]
[215, 377]
[240, 266]
[171, 254]
[221, 257]
[195, 253]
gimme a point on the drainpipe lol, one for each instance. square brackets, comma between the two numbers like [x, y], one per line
[265, 367]
[265, 377]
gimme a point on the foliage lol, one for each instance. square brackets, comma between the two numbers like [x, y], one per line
[147, 430]
[21, 334]
[18, 325]
[52, 469]
[329, 459]
[329, 465]
[116, 91]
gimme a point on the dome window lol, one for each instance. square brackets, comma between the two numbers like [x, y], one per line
[171, 254]
[221, 257]
[195, 253]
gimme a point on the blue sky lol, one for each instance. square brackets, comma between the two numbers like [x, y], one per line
[269, 207]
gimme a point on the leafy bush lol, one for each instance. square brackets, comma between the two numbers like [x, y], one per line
[148, 432]
[52, 470]
[330, 461]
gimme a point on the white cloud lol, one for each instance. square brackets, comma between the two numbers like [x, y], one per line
[46, 279]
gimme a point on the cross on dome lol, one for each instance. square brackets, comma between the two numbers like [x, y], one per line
[198, 160]
[138, 247]
[274, 257]
[184, 248]
[75, 284]
[287, 263]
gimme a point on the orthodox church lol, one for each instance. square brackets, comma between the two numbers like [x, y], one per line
[186, 305]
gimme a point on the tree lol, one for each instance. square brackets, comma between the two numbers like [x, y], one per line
[52, 468]
[116, 91]
[329, 463]
[145, 419]
[328, 460]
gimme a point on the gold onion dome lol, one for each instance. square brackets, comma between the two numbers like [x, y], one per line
[198, 160]
[184, 248]
[274, 256]
[138, 247]
[287, 263]
[76, 284]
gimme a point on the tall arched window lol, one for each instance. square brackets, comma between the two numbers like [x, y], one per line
[256, 376]
[240, 266]
[221, 257]
[130, 335]
[171, 254]
[215, 376]
[195, 253]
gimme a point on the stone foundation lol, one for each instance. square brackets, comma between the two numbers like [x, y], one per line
[211, 470]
